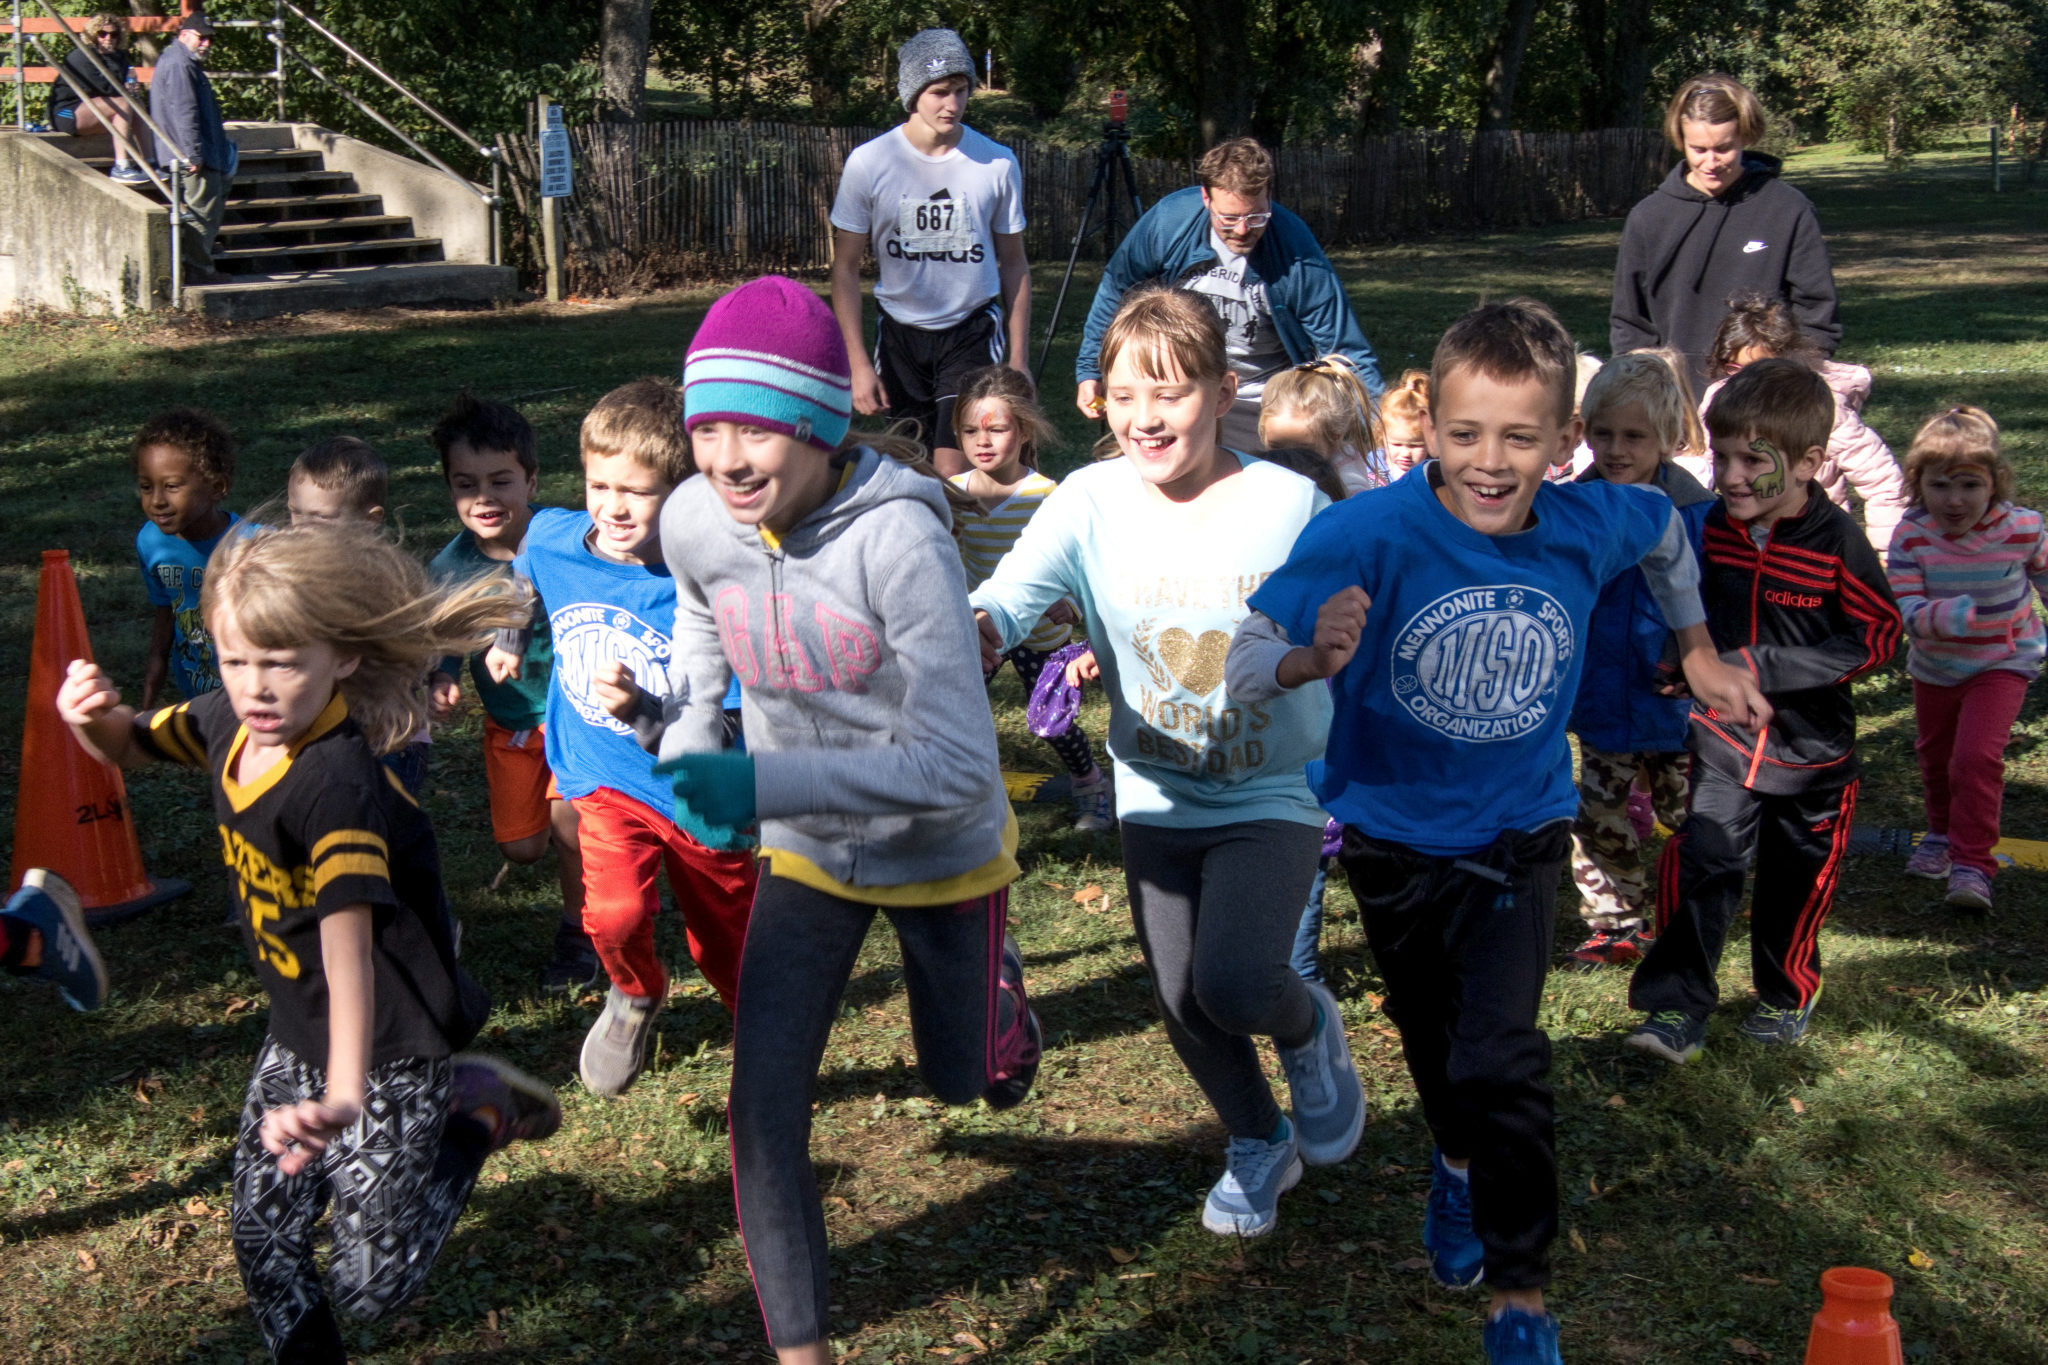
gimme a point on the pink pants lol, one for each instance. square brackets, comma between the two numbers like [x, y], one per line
[1963, 733]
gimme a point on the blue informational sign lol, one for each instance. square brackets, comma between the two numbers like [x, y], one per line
[555, 175]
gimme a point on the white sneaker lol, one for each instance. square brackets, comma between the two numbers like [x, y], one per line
[1246, 1201]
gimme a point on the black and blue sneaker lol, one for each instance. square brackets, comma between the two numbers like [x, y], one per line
[1674, 1035]
[1519, 1338]
[1456, 1257]
[47, 905]
[1774, 1026]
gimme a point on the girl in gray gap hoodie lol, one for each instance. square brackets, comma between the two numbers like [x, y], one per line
[822, 574]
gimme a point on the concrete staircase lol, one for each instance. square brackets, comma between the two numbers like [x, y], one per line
[299, 235]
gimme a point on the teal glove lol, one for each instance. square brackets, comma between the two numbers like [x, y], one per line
[714, 796]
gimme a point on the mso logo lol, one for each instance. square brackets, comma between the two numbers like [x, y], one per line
[589, 635]
[1484, 664]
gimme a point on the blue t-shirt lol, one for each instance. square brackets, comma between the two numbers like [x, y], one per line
[173, 571]
[1450, 719]
[599, 611]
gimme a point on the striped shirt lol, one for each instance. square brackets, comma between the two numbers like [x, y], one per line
[986, 536]
[1968, 600]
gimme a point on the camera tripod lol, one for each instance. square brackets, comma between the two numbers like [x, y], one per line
[1112, 155]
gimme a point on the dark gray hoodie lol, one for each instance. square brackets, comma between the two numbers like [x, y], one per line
[1686, 256]
[860, 675]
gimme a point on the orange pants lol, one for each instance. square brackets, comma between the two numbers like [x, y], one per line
[626, 845]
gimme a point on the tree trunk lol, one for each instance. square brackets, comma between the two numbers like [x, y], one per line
[1503, 66]
[1596, 64]
[1223, 90]
[1630, 72]
[1387, 59]
[623, 54]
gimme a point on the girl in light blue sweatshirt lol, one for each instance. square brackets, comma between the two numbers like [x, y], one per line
[1221, 836]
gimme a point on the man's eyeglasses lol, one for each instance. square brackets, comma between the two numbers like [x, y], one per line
[1242, 220]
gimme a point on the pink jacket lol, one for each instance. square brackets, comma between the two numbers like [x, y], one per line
[1857, 457]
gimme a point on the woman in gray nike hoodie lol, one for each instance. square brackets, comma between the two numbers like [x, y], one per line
[822, 574]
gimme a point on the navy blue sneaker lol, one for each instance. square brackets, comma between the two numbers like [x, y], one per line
[1674, 1035]
[47, 904]
[1246, 1201]
[1329, 1101]
[1518, 1338]
[1455, 1256]
[1777, 1027]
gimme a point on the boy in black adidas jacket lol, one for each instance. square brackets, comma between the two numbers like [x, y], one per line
[1794, 592]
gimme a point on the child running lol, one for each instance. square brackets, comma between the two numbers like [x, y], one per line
[1857, 457]
[822, 574]
[1324, 406]
[1795, 594]
[1404, 412]
[361, 1094]
[1220, 833]
[341, 479]
[184, 463]
[1000, 429]
[611, 603]
[1449, 766]
[492, 465]
[1966, 565]
[1631, 731]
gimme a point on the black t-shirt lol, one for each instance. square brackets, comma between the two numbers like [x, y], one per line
[87, 75]
[326, 828]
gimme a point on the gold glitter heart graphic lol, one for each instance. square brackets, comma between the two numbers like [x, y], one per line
[1196, 664]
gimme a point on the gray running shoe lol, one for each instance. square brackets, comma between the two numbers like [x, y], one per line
[615, 1049]
[1329, 1100]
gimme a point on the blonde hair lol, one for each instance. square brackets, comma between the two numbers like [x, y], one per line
[643, 421]
[1240, 166]
[1715, 98]
[342, 584]
[1408, 400]
[1962, 437]
[1169, 327]
[1330, 398]
[1645, 380]
[1011, 388]
[1508, 343]
[1695, 440]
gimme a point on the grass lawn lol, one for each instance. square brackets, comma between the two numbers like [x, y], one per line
[1910, 1134]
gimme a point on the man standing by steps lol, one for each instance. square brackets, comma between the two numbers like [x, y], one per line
[944, 209]
[182, 100]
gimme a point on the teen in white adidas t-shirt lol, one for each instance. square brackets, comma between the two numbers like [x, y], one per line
[943, 207]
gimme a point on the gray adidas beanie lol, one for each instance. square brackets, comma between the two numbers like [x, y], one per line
[929, 57]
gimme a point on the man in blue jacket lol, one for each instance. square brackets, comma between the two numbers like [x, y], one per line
[181, 97]
[1257, 265]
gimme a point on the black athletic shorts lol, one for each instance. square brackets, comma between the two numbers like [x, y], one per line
[921, 370]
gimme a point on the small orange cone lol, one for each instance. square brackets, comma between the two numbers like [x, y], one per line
[71, 810]
[1854, 1325]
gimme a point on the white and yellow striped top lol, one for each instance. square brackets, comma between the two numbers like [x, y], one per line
[985, 537]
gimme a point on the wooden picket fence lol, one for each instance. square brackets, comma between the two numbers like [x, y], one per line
[663, 201]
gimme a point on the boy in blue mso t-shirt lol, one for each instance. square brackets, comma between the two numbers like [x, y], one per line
[1447, 762]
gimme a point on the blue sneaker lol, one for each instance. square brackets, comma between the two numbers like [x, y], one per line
[1246, 1201]
[1674, 1035]
[1776, 1027]
[1518, 1338]
[1456, 1257]
[1329, 1100]
[47, 904]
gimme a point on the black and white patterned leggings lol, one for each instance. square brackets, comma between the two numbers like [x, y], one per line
[398, 1178]
[1071, 747]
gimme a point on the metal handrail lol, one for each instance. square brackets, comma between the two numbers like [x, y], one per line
[386, 124]
[105, 72]
[488, 153]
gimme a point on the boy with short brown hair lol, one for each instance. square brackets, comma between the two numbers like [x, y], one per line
[610, 602]
[1448, 762]
[1795, 592]
[340, 479]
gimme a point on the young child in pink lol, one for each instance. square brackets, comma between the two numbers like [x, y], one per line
[1965, 566]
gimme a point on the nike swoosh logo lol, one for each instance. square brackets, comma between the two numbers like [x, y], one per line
[1753, 247]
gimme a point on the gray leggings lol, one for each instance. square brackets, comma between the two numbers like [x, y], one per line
[1216, 911]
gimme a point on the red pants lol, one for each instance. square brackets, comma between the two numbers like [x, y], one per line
[626, 846]
[1963, 733]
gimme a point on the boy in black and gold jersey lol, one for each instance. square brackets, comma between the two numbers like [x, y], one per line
[360, 1094]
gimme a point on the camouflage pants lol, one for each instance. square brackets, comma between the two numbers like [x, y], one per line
[1607, 858]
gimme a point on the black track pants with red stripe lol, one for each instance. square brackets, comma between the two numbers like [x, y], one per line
[1797, 843]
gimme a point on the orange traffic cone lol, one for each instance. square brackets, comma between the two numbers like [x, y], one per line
[71, 810]
[1854, 1325]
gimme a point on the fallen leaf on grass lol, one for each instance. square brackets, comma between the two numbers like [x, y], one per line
[195, 1207]
[16, 1164]
[237, 1005]
[1760, 1279]
[1616, 1102]
[1414, 1263]
[1087, 893]
[499, 1177]
[1797, 1105]
[86, 1260]
[1122, 1257]
[969, 1339]
[1578, 1242]
[1742, 1347]
[1920, 1260]
[691, 1098]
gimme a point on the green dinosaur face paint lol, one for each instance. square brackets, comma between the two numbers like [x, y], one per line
[1770, 483]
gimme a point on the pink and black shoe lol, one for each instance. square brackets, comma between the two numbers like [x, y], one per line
[1018, 1036]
